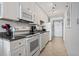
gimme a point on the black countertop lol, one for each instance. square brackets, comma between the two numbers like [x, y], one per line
[4, 36]
[40, 31]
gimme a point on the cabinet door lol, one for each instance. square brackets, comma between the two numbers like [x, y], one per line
[11, 10]
[19, 52]
[37, 14]
[16, 44]
[46, 37]
[42, 41]
[0, 9]
[1, 48]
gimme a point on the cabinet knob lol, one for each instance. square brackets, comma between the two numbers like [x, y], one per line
[19, 54]
[20, 43]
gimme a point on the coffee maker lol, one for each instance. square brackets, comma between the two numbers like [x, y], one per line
[33, 29]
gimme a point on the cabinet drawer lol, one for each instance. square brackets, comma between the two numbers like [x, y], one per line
[16, 44]
[19, 52]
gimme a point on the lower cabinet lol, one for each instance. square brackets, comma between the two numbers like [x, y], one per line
[42, 41]
[14, 48]
[22, 47]
[1, 47]
[44, 38]
[17, 43]
[19, 52]
[18, 47]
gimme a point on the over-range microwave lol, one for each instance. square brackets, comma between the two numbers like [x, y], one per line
[25, 15]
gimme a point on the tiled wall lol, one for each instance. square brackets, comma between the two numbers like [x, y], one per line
[15, 24]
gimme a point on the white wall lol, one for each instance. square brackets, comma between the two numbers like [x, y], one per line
[71, 35]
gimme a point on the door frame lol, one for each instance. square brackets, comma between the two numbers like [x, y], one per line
[62, 26]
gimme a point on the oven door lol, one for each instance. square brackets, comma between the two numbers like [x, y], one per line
[33, 45]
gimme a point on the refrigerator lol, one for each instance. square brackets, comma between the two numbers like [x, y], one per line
[49, 29]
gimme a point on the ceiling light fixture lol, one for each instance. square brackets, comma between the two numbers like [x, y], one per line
[53, 7]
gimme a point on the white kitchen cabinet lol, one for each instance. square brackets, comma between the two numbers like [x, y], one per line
[37, 14]
[42, 45]
[19, 52]
[15, 44]
[10, 10]
[1, 47]
[44, 38]
[14, 48]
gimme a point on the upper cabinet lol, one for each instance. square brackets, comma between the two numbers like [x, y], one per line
[10, 10]
[36, 14]
[28, 11]
[40, 15]
[32, 10]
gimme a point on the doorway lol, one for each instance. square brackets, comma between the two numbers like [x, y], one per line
[58, 28]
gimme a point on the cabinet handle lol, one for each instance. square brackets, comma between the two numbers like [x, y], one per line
[19, 54]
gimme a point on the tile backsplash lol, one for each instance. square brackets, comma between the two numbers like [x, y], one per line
[17, 25]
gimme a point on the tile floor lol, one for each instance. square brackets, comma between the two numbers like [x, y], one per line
[55, 48]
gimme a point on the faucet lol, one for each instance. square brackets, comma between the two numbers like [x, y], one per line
[13, 32]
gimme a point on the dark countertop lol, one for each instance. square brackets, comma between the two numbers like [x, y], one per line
[40, 31]
[4, 36]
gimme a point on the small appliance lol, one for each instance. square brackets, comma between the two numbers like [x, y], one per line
[33, 29]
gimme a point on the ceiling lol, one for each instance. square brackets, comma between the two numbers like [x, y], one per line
[58, 10]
